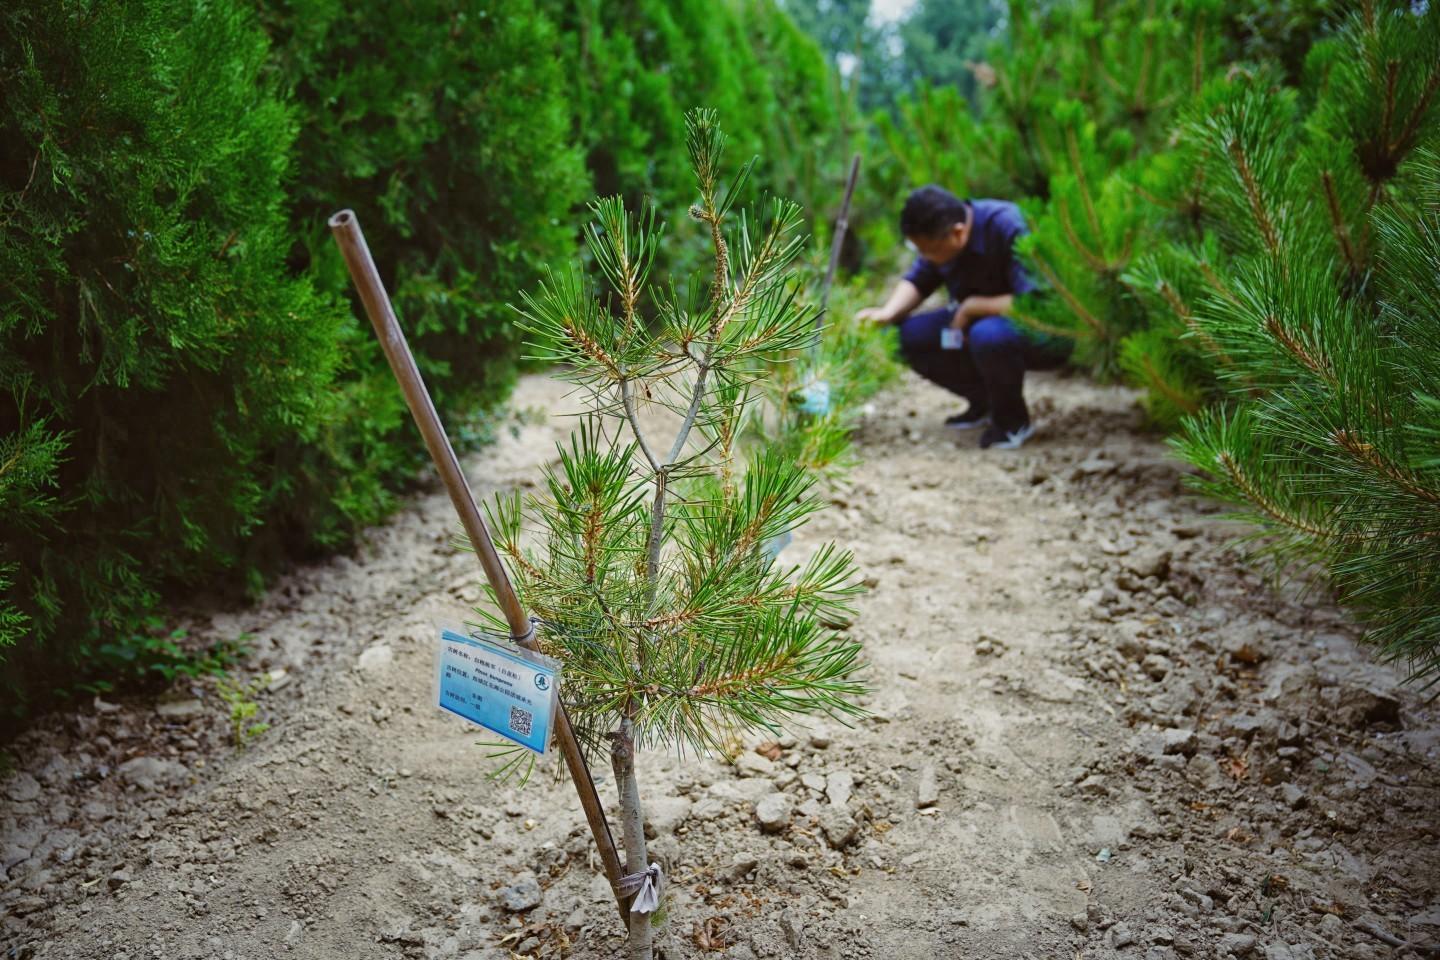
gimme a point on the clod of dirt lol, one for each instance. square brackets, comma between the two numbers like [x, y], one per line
[773, 812]
[928, 792]
[151, 773]
[1358, 707]
[839, 827]
[839, 786]
[750, 764]
[523, 894]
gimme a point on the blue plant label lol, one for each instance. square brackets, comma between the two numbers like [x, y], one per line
[815, 398]
[812, 397]
[508, 691]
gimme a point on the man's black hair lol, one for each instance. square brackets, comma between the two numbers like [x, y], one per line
[930, 211]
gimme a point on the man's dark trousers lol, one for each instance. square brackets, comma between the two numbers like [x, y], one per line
[989, 371]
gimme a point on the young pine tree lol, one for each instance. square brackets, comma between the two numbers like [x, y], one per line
[650, 578]
[1100, 143]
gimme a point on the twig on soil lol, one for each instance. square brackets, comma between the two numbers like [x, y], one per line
[1388, 938]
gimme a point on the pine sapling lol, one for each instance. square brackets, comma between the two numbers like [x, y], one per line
[643, 556]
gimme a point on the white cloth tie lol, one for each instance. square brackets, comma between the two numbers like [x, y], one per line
[646, 886]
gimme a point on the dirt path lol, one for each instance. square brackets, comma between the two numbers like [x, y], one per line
[1090, 738]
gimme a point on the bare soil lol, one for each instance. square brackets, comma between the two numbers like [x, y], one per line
[1093, 734]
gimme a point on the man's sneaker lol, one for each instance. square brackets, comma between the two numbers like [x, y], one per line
[968, 420]
[998, 438]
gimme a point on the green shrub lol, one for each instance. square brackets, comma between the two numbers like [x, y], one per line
[640, 65]
[155, 354]
[445, 125]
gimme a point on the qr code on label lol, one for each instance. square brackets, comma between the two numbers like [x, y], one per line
[520, 721]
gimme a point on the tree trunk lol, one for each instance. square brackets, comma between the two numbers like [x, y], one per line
[632, 825]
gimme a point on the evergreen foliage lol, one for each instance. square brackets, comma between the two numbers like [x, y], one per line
[1323, 325]
[1090, 96]
[448, 121]
[651, 580]
[184, 399]
[641, 64]
[154, 351]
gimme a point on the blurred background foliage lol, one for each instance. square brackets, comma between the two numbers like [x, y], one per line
[190, 398]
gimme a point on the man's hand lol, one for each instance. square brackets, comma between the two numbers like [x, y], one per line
[973, 308]
[965, 314]
[904, 298]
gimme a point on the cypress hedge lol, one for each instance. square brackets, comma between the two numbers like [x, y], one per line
[156, 349]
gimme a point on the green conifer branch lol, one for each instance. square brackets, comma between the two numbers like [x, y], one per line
[1182, 401]
[1267, 506]
[1076, 307]
[1258, 209]
[1293, 345]
[1366, 454]
[1092, 260]
[1337, 222]
[1405, 141]
[1077, 164]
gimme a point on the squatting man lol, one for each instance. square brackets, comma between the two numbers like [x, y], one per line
[970, 347]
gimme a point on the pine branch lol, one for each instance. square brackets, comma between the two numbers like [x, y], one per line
[627, 399]
[1268, 232]
[1215, 283]
[1402, 143]
[1366, 454]
[625, 250]
[1337, 222]
[1182, 310]
[1197, 74]
[1077, 163]
[1147, 52]
[1265, 505]
[1076, 307]
[1387, 109]
[1095, 262]
[1297, 349]
[1030, 320]
[1183, 402]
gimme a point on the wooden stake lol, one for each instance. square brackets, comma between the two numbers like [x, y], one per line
[841, 226]
[345, 227]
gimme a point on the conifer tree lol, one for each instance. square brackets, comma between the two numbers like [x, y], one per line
[1097, 143]
[154, 350]
[642, 64]
[1323, 323]
[651, 581]
[451, 121]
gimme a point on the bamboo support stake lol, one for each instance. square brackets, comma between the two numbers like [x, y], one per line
[345, 227]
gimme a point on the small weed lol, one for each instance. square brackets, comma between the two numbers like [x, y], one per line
[147, 657]
[243, 708]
